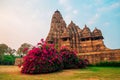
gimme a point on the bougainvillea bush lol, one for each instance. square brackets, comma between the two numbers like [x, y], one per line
[83, 63]
[70, 59]
[42, 59]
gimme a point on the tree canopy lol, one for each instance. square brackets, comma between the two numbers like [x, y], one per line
[23, 49]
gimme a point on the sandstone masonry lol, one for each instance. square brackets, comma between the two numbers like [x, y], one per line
[81, 40]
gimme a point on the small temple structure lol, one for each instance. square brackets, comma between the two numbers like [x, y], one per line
[71, 36]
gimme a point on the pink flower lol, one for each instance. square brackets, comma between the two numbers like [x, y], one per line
[42, 40]
[25, 49]
[39, 44]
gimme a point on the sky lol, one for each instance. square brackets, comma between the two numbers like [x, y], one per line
[27, 21]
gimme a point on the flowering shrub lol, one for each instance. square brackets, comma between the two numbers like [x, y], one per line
[70, 59]
[83, 63]
[42, 59]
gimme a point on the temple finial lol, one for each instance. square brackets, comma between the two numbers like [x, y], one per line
[57, 11]
[85, 26]
[71, 21]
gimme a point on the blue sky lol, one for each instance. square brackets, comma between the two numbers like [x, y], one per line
[29, 20]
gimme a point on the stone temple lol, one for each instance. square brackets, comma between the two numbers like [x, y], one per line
[88, 44]
[71, 36]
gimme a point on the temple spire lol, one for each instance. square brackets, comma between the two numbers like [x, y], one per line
[71, 22]
[72, 36]
[57, 11]
[85, 26]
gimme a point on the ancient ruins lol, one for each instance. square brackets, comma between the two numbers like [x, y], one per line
[81, 40]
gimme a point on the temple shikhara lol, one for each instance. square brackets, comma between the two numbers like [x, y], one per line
[82, 40]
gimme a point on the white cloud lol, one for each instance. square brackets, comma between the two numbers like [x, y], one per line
[93, 19]
[63, 1]
[65, 4]
[75, 11]
[109, 8]
[71, 12]
[106, 24]
[115, 5]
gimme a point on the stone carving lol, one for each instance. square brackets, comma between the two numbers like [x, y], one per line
[81, 40]
[102, 56]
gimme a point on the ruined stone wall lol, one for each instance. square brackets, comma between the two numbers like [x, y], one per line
[96, 57]
[18, 61]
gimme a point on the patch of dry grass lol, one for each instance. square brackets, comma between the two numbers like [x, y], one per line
[91, 73]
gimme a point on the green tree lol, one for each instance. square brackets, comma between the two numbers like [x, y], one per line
[23, 49]
[3, 49]
[8, 60]
[10, 51]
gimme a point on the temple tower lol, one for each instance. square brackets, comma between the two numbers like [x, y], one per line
[97, 40]
[57, 27]
[81, 40]
[74, 36]
[65, 39]
[86, 40]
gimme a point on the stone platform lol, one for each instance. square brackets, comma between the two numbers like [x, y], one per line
[96, 57]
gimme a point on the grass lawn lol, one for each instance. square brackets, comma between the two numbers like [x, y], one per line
[90, 73]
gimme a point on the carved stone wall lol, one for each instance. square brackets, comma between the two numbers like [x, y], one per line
[96, 57]
[81, 40]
